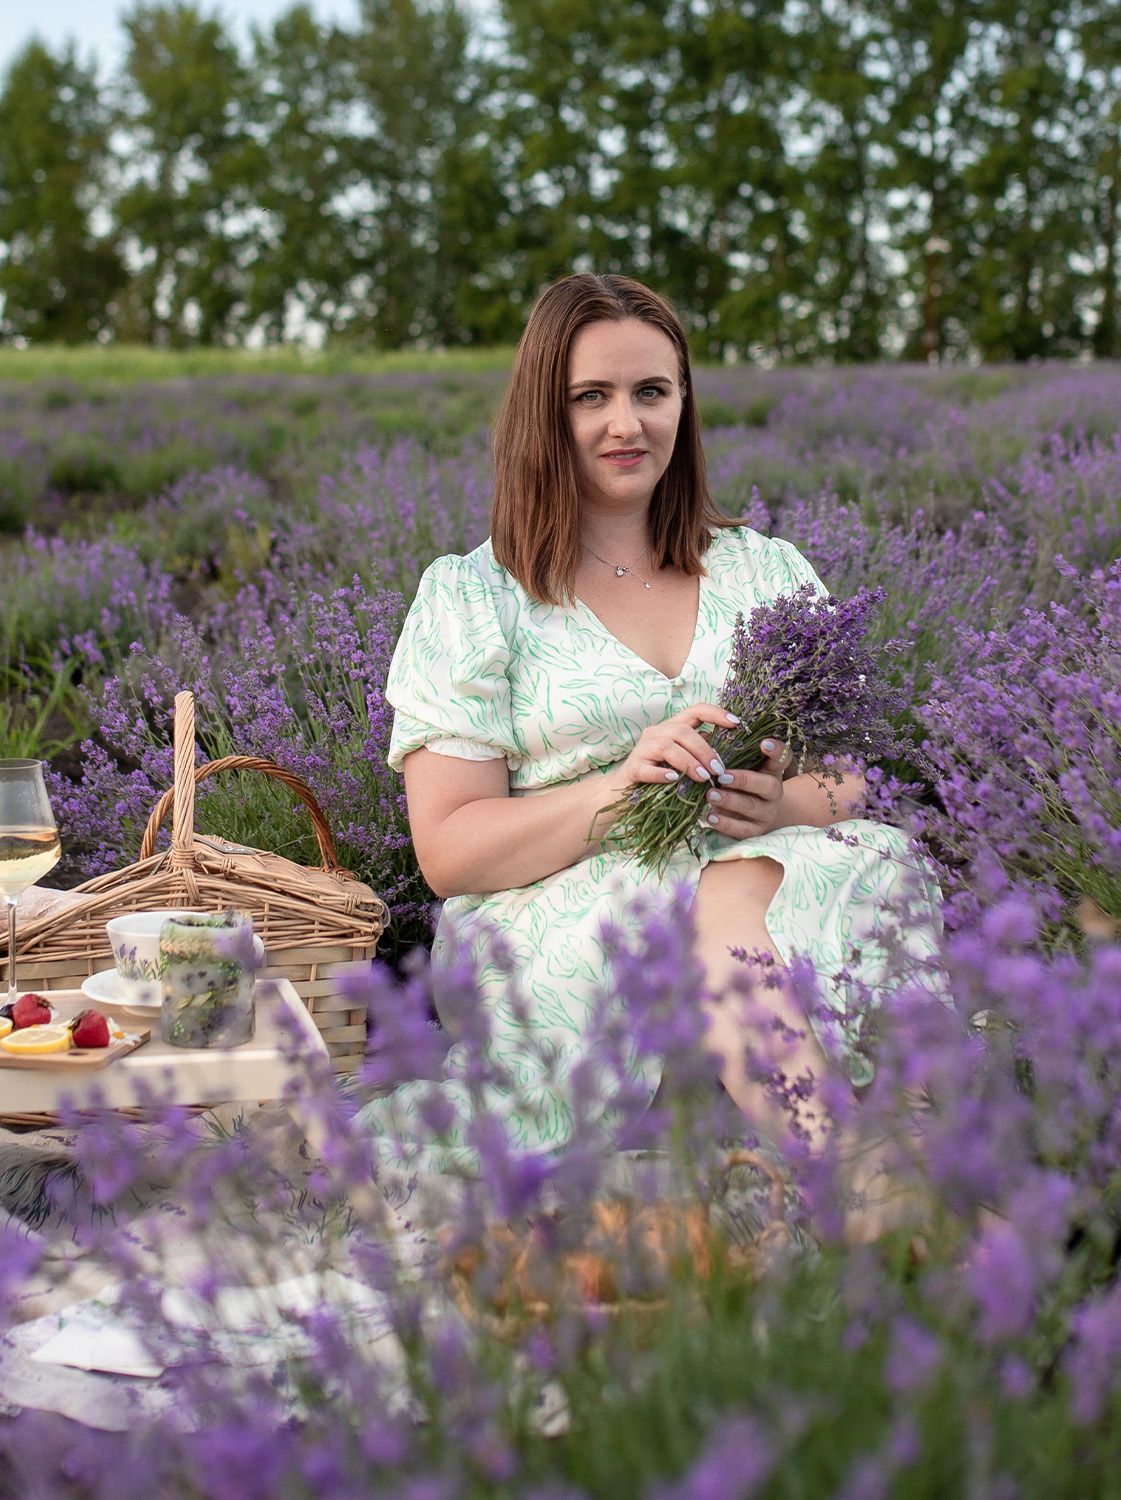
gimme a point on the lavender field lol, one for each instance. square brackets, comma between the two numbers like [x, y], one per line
[257, 539]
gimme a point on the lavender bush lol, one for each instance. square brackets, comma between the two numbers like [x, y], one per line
[985, 1361]
[962, 489]
[290, 675]
[1027, 750]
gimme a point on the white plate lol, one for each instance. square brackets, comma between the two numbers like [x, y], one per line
[108, 986]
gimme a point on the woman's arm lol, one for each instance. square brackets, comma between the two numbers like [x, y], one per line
[471, 836]
[755, 802]
[818, 802]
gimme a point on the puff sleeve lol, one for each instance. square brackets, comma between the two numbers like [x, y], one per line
[796, 569]
[448, 681]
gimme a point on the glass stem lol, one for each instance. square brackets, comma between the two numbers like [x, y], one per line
[10, 903]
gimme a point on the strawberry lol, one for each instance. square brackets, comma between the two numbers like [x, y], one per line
[30, 1010]
[90, 1029]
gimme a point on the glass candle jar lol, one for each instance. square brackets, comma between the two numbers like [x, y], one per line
[206, 972]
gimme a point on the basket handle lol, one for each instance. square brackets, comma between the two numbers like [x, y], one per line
[181, 796]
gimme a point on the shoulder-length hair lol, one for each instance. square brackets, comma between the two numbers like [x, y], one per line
[535, 517]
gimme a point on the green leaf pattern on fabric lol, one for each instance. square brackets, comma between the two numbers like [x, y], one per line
[482, 671]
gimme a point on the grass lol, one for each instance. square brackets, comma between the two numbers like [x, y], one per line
[125, 363]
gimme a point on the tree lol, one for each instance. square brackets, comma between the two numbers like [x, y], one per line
[932, 60]
[648, 142]
[1099, 114]
[411, 80]
[581, 95]
[190, 176]
[299, 116]
[1030, 190]
[839, 290]
[733, 183]
[58, 273]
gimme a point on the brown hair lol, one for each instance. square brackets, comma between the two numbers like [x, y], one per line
[535, 517]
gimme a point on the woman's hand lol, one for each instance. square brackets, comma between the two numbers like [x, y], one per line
[675, 748]
[749, 803]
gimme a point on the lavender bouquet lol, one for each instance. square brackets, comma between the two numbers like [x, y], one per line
[799, 671]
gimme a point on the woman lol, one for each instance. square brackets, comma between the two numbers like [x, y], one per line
[581, 650]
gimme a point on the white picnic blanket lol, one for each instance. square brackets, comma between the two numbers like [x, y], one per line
[74, 1346]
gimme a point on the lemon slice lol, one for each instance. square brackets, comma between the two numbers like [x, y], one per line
[5, 1026]
[33, 1041]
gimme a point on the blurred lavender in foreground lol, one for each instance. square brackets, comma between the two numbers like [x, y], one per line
[849, 1370]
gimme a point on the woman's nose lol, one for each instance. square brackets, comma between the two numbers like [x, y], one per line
[624, 418]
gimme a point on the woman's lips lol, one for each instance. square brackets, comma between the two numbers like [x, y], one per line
[624, 459]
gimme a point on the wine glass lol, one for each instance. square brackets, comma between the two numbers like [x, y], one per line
[29, 844]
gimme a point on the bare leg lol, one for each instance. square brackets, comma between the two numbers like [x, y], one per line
[729, 913]
[731, 901]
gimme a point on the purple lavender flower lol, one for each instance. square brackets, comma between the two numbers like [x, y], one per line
[737, 1459]
[914, 1357]
[799, 671]
[1093, 1361]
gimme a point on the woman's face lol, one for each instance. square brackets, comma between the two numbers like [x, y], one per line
[624, 400]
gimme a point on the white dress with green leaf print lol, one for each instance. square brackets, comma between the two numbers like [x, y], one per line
[482, 671]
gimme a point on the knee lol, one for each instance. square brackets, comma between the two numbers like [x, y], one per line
[750, 882]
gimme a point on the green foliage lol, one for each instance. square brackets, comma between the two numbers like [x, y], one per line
[715, 412]
[247, 808]
[202, 531]
[812, 183]
[57, 276]
[40, 715]
[147, 473]
[644, 1395]
[21, 484]
[84, 463]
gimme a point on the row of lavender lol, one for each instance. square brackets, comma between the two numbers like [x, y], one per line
[990, 515]
[983, 1359]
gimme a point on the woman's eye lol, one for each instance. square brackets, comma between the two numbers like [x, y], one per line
[593, 398]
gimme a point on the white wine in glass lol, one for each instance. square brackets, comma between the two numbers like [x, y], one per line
[29, 846]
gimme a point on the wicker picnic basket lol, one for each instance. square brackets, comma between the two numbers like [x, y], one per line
[314, 922]
[512, 1281]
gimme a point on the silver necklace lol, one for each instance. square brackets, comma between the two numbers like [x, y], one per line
[620, 568]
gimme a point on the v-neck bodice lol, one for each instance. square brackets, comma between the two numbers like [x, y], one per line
[481, 670]
[637, 655]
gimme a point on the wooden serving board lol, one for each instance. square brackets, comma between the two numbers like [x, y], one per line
[84, 1059]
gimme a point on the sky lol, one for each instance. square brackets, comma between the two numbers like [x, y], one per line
[93, 24]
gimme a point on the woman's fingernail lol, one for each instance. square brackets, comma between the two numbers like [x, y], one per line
[768, 746]
[717, 765]
[712, 820]
[713, 796]
[733, 718]
[726, 779]
[701, 772]
[673, 775]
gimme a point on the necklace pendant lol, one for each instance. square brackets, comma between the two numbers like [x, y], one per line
[619, 571]
[645, 585]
